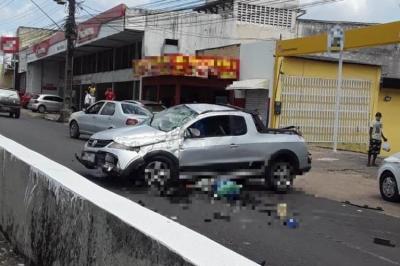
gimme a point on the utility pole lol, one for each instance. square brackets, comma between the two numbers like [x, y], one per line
[70, 36]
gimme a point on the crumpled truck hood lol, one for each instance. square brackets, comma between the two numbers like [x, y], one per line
[137, 136]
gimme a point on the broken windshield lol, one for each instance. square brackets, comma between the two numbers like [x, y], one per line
[172, 118]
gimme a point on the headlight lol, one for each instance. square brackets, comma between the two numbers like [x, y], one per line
[120, 146]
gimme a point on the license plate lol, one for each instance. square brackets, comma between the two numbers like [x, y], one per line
[90, 157]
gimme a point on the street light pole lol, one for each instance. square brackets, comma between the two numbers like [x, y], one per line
[336, 44]
[337, 107]
[70, 36]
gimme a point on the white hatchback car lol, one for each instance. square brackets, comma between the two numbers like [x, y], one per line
[106, 115]
[389, 178]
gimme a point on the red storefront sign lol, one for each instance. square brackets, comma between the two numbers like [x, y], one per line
[90, 29]
[10, 45]
[41, 49]
[184, 65]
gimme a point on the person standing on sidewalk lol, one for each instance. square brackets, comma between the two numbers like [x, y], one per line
[88, 100]
[92, 92]
[375, 139]
[109, 95]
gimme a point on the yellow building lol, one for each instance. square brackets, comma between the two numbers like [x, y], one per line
[389, 106]
[306, 96]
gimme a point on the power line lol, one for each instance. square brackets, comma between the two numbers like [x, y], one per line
[47, 15]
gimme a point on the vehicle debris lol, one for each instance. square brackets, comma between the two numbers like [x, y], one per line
[363, 206]
[384, 242]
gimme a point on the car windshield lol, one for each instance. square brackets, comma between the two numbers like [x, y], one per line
[172, 118]
[8, 93]
[36, 97]
[155, 108]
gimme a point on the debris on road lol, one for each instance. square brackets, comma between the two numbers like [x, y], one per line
[228, 189]
[207, 220]
[383, 242]
[221, 216]
[292, 223]
[363, 206]
[282, 210]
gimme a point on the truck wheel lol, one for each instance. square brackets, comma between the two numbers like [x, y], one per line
[42, 109]
[17, 114]
[280, 176]
[388, 187]
[74, 130]
[162, 173]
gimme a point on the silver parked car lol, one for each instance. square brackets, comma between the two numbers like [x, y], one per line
[153, 107]
[104, 115]
[45, 103]
[389, 178]
[192, 140]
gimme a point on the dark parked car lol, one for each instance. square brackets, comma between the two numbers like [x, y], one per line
[10, 102]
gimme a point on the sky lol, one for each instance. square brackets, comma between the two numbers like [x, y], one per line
[14, 13]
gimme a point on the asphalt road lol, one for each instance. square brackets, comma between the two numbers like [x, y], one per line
[329, 232]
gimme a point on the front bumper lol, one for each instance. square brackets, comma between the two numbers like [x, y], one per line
[9, 108]
[111, 161]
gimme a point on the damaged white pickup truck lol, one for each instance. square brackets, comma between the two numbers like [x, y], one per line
[200, 140]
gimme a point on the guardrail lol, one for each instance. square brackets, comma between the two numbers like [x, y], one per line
[54, 216]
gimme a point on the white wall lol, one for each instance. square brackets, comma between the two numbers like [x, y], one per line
[197, 31]
[257, 60]
[53, 73]
[34, 78]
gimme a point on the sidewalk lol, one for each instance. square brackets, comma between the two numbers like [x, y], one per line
[47, 116]
[344, 176]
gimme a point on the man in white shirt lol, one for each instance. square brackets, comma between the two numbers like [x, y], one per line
[375, 139]
[88, 100]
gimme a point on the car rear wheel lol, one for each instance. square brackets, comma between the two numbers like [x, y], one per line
[74, 130]
[388, 187]
[280, 176]
[42, 109]
[161, 173]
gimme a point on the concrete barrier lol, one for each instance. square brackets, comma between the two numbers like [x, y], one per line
[54, 216]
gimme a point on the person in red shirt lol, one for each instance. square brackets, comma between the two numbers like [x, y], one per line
[110, 96]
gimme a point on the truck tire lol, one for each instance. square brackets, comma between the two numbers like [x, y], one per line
[162, 173]
[279, 176]
[17, 114]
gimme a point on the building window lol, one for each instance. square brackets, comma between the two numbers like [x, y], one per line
[88, 64]
[124, 55]
[105, 61]
[264, 15]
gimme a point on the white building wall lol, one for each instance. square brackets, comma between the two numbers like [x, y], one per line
[196, 31]
[53, 75]
[257, 60]
[34, 78]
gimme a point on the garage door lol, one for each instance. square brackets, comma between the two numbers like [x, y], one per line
[258, 100]
[309, 103]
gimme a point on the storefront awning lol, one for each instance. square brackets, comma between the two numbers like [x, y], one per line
[249, 84]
